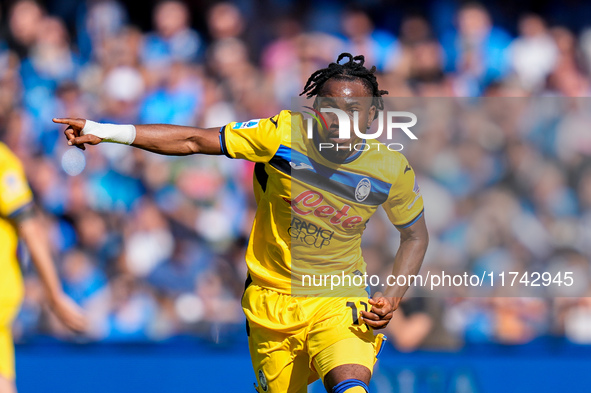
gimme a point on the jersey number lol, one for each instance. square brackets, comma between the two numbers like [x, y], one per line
[354, 311]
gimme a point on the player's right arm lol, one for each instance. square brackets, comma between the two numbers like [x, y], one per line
[255, 140]
[158, 138]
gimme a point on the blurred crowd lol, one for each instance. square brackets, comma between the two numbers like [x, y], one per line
[153, 246]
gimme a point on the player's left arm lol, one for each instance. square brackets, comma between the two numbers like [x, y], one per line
[405, 210]
[408, 260]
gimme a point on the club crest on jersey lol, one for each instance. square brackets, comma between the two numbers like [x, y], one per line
[363, 189]
[246, 124]
[263, 381]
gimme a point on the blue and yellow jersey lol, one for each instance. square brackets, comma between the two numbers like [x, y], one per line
[312, 212]
[15, 195]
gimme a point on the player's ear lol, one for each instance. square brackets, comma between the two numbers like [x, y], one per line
[373, 114]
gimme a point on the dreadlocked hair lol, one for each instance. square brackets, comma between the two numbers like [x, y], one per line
[352, 69]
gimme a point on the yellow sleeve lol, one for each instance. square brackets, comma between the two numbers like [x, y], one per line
[15, 193]
[405, 203]
[255, 140]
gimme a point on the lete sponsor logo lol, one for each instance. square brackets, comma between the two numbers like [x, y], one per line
[310, 203]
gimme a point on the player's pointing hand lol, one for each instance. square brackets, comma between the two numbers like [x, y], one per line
[74, 133]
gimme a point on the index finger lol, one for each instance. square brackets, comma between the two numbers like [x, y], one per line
[71, 122]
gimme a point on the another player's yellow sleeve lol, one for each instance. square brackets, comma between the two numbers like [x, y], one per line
[15, 193]
[405, 203]
[255, 140]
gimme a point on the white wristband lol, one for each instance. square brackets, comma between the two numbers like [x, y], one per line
[115, 133]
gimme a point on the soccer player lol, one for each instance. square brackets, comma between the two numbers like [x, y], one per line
[312, 207]
[18, 218]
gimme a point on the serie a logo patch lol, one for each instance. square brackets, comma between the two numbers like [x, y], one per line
[246, 124]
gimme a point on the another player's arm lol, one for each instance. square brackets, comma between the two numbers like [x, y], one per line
[158, 138]
[31, 230]
[16, 206]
